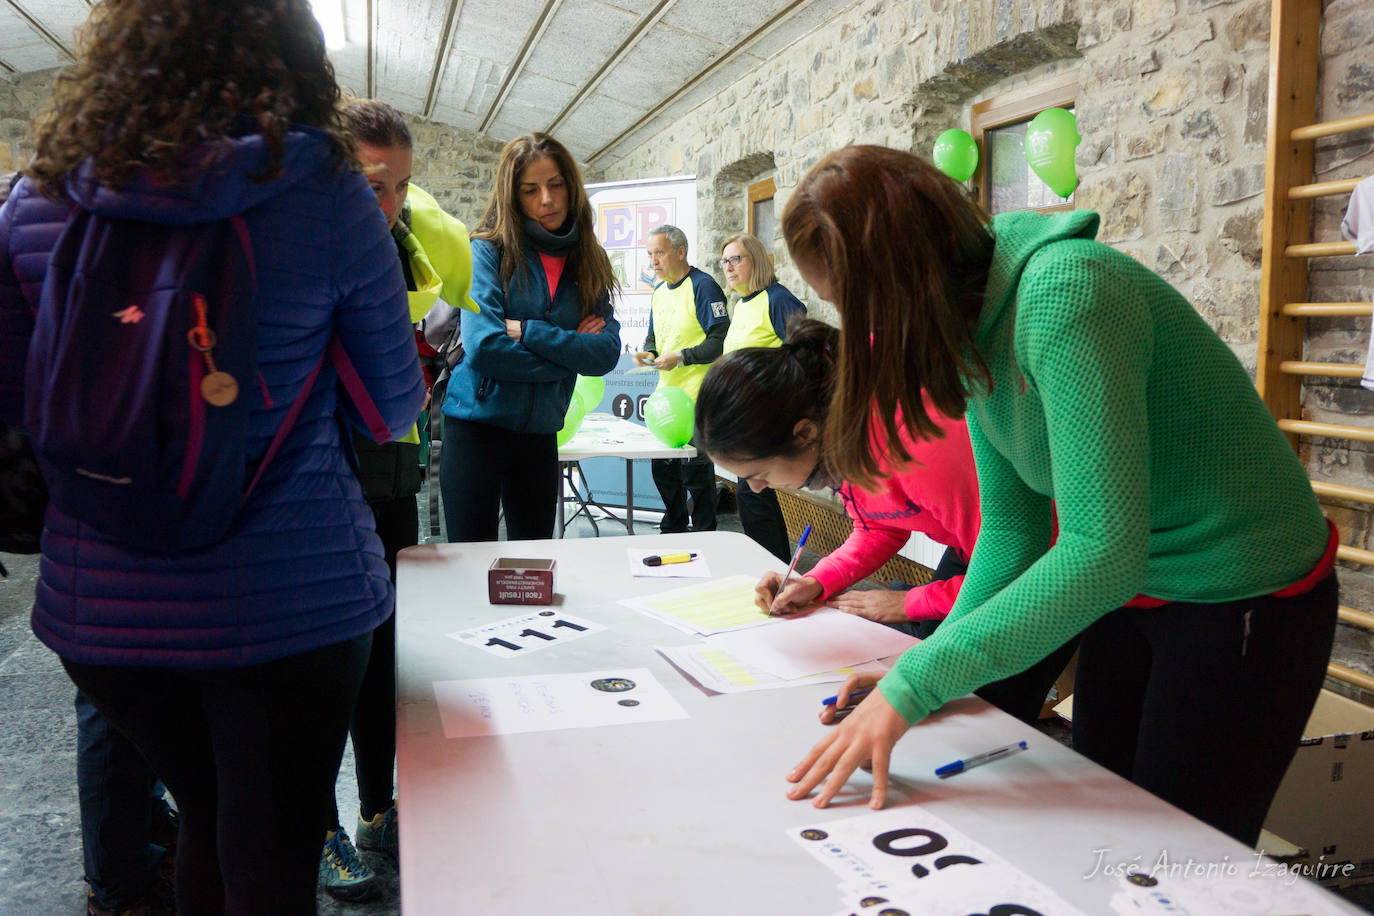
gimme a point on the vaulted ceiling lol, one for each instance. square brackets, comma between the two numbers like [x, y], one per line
[601, 75]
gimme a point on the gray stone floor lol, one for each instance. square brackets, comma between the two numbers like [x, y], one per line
[40, 830]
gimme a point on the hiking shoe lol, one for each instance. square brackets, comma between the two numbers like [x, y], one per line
[343, 873]
[380, 834]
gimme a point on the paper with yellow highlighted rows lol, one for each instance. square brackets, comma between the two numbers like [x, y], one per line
[717, 671]
[711, 607]
[548, 702]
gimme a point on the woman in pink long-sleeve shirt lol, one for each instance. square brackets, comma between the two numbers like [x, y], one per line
[935, 494]
[759, 415]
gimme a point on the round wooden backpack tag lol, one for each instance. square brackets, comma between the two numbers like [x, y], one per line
[219, 389]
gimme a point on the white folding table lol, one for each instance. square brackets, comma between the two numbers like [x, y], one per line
[604, 436]
[687, 816]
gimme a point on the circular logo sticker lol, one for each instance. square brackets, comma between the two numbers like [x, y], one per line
[811, 833]
[613, 684]
[629, 702]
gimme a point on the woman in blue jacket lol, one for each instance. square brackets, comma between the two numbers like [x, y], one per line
[543, 286]
[231, 667]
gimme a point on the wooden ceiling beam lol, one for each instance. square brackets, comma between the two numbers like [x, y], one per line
[773, 22]
[43, 32]
[371, 51]
[450, 30]
[641, 28]
[532, 38]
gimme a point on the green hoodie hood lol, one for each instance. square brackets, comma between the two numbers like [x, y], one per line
[1019, 237]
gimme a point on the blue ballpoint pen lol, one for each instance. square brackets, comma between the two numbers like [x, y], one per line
[968, 763]
[831, 701]
[801, 542]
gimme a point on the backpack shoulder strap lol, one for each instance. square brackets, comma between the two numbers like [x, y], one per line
[357, 392]
[353, 385]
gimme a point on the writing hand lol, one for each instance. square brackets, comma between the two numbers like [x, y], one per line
[799, 595]
[868, 734]
[766, 590]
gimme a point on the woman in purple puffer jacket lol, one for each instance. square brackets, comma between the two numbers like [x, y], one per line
[233, 667]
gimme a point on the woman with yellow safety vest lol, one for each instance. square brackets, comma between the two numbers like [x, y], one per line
[760, 320]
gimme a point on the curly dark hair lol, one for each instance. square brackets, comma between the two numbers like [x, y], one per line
[154, 79]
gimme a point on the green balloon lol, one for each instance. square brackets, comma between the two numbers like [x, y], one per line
[669, 413]
[1050, 140]
[571, 421]
[956, 154]
[589, 390]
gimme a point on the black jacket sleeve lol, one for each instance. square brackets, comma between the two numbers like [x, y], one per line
[709, 350]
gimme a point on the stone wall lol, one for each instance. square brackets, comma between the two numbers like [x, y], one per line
[457, 166]
[1172, 109]
[20, 99]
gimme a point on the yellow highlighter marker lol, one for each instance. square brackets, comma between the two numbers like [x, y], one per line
[669, 558]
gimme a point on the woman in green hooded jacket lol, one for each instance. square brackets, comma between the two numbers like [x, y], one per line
[1192, 554]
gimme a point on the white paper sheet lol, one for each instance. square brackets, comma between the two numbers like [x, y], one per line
[823, 641]
[693, 569]
[918, 862]
[519, 636]
[1248, 887]
[719, 672]
[548, 702]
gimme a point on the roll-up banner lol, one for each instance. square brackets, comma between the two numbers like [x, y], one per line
[625, 213]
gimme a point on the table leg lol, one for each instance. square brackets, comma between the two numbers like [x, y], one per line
[586, 501]
[629, 496]
[562, 470]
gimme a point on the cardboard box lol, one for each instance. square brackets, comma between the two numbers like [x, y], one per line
[512, 580]
[1325, 804]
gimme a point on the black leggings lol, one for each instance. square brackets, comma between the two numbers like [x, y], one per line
[373, 726]
[1020, 695]
[250, 755]
[484, 470]
[1204, 704]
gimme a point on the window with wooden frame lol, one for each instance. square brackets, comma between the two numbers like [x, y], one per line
[762, 218]
[1004, 180]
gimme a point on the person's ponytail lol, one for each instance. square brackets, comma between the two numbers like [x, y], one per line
[751, 399]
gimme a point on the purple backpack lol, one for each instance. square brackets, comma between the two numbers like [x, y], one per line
[141, 377]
